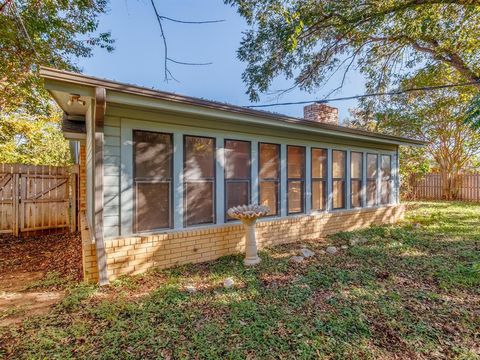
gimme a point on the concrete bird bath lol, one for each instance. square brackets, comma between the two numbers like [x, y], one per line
[249, 214]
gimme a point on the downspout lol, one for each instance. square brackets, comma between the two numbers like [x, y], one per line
[100, 107]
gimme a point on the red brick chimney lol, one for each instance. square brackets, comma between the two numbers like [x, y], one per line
[321, 113]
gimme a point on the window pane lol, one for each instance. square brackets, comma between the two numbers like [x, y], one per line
[338, 194]
[385, 192]
[199, 157]
[296, 162]
[371, 192]
[338, 164]
[199, 175]
[152, 206]
[295, 197]
[237, 159]
[152, 154]
[152, 158]
[319, 163]
[356, 165]
[269, 161]
[386, 167]
[269, 196]
[356, 193]
[199, 204]
[237, 193]
[372, 165]
[319, 199]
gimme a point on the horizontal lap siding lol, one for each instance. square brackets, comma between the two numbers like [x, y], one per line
[111, 179]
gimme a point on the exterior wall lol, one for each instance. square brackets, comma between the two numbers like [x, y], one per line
[89, 164]
[111, 179]
[89, 254]
[83, 179]
[136, 254]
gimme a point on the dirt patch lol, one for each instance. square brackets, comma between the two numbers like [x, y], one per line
[61, 253]
[33, 272]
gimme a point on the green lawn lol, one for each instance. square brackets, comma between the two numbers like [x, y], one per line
[408, 291]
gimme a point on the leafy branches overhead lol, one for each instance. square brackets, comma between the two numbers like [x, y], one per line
[48, 32]
[309, 40]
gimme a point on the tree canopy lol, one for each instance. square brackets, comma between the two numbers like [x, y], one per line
[48, 32]
[438, 117]
[36, 140]
[309, 40]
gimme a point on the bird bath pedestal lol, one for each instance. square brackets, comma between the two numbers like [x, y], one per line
[248, 215]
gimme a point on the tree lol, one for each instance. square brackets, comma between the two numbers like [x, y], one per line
[437, 117]
[36, 140]
[46, 32]
[309, 40]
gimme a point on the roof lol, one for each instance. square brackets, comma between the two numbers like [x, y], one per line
[85, 80]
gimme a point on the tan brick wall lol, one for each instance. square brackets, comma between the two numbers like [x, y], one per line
[89, 255]
[133, 255]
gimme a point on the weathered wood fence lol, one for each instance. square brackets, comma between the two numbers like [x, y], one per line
[431, 187]
[37, 198]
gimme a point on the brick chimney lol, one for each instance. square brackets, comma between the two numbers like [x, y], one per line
[321, 113]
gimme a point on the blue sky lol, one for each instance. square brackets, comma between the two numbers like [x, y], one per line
[138, 55]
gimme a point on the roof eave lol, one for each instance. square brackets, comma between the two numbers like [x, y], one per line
[91, 82]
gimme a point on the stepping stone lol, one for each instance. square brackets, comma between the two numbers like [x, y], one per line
[191, 289]
[307, 252]
[332, 250]
[228, 283]
[297, 259]
[344, 247]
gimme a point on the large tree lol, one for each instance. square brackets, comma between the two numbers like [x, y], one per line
[36, 140]
[438, 117]
[308, 40]
[43, 32]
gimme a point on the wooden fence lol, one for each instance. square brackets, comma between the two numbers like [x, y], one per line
[431, 187]
[37, 198]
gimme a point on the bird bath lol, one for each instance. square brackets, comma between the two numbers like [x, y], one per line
[248, 215]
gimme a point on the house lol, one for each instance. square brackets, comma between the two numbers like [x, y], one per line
[160, 170]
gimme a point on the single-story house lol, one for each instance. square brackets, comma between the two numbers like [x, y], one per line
[160, 170]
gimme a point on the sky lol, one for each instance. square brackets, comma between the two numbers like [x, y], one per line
[138, 56]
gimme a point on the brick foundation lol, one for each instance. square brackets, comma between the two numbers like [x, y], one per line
[136, 254]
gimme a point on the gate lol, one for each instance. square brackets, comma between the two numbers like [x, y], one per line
[37, 198]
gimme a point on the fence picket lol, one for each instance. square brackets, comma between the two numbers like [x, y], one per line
[430, 187]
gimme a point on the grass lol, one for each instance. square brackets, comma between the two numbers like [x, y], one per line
[405, 291]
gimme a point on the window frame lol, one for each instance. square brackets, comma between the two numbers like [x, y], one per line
[278, 182]
[357, 179]
[302, 180]
[375, 180]
[225, 180]
[315, 179]
[344, 179]
[184, 182]
[153, 180]
[390, 177]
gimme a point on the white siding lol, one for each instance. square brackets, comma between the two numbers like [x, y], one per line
[111, 179]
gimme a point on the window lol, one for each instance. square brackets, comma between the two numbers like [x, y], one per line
[356, 175]
[237, 174]
[372, 172]
[199, 180]
[153, 164]
[319, 179]
[338, 178]
[269, 177]
[386, 176]
[296, 179]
